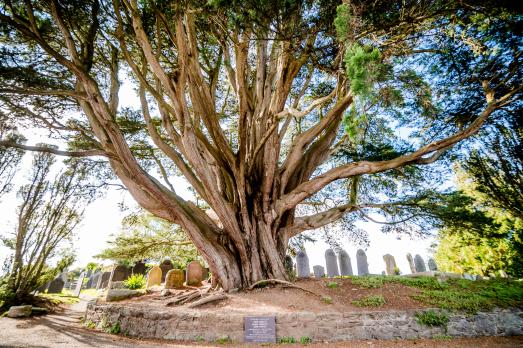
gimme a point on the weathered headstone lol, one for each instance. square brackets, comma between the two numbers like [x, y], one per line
[361, 261]
[120, 273]
[103, 282]
[55, 286]
[420, 265]
[390, 264]
[345, 264]
[411, 263]
[194, 274]
[154, 277]
[79, 284]
[93, 282]
[139, 268]
[260, 329]
[166, 266]
[319, 271]
[332, 263]
[303, 269]
[174, 279]
[432, 265]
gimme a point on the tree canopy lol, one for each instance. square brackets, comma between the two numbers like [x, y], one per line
[283, 116]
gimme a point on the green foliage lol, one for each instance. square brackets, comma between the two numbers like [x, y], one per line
[90, 324]
[474, 296]
[145, 236]
[363, 66]
[115, 329]
[7, 295]
[223, 339]
[341, 22]
[326, 299]
[332, 285]
[135, 281]
[367, 281]
[287, 339]
[305, 340]
[369, 301]
[432, 318]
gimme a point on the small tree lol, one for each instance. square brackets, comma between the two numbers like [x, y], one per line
[146, 237]
[48, 214]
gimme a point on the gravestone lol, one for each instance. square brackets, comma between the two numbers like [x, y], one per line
[55, 286]
[332, 264]
[303, 269]
[194, 275]
[432, 265]
[166, 266]
[319, 271]
[390, 264]
[95, 279]
[260, 329]
[420, 265]
[345, 264]
[154, 277]
[361, 261]
[411, 263]
[174, 279]
[120, 273]
[79, 284]
[103, 282]
[139, 268]
[468, 276]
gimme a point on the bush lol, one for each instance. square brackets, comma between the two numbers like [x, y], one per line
[332, 285]
[115, 329]
[305, 340]
[286, 339]
[432, 318]
[370, 301]
[135, 281]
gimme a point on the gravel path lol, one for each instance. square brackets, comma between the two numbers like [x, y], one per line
[63, 329]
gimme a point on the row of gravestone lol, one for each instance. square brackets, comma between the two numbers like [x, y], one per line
[341, 264]
[175, 278]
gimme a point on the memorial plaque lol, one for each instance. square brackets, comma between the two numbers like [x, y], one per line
[260, 329]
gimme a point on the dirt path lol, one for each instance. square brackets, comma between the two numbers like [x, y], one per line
[63, 329]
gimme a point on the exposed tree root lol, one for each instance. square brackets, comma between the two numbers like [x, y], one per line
[208, 299]
[282, 282]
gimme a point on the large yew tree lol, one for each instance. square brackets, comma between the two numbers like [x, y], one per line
[261, 105]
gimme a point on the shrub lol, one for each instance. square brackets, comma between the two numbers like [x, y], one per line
[370, 301]
[432, 318]
[305, 340]
[135, 281]
[223, 339]
[115, 328]
[332, 285]
[287, 339]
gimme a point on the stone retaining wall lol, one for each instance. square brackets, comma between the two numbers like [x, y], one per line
[187, 324]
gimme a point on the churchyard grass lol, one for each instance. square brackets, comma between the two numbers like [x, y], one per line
[453, 294]
[65, 297]
[370, 301]
[90, 292]
[473, 296]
